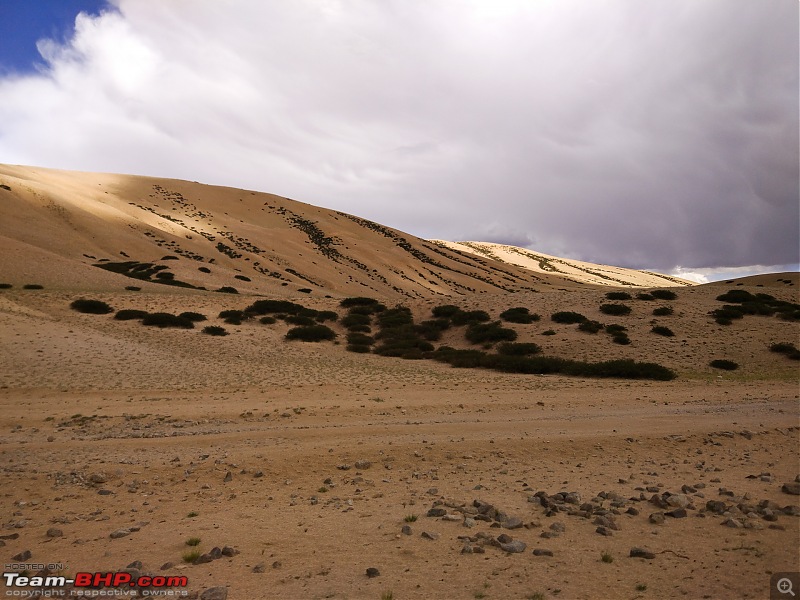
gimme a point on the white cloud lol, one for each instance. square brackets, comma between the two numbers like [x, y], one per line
[641, 134]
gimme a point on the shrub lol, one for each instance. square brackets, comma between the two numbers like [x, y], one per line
[567, 317]
[311, 333]
[234, 317]
[395, 317]
[361, 349]
[615, 309]
[518, 349]
[615, 328]
[204, 269]
[664, 294]
[727, 365]
[445, 311]
[360, 328]
[93, 307]
[468, 317]
[162, 319]
[165, 275]
[519, 315]
[32, 286]
[429, 330]
[214, 330]
[326, 315]
[590, 326]
[351, 320]
[621, 338]
[358, 301]
[662, 311]
[362, 310]
[737, 296]
[300, 320]
[5, 286]
[133, 288]
[225, 289]
[624, 369]
[267, 320]
[304, 290]
[242, 277]
[618, 296]
[129, 314]
[193, 316]
[360, 339]
[661, 330]
[549, 332]
[783, 348]
[263, 307]
[479, 333]
[645, 296]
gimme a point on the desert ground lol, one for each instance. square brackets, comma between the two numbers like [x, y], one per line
[264, 468]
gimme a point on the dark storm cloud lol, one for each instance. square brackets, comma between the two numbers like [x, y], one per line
[652, 134]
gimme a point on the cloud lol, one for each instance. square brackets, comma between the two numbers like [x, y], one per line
[639, 134]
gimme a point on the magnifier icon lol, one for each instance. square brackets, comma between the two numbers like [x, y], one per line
[785, 586]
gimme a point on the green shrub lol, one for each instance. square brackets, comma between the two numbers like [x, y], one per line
[234, 317]
[783, 348]
[661, 330]
[614, 328]
[623, 369]
[549, 332]
[468, 317]
[264, 307]
[590, 326]
[226, 289]
[664, 294]
[518, 349]
[93, 307]
[304, 290]
[618, 296]
[621, 338]
[662, 311]
[165, 275]
[300, 320]
[162, 319]
[129, 314]
[204, 269]
[615, 309]
[243, 278]
[326, 315]
[353, 319]
[644, 296]
[214, 330]
[519, 315]
[193, 316]
[32, 286]
[361, 349]
[311, 333]
[268, 320]
[445, 311]
[395, 317]
[358, 301]
[737, 296]
[5, 286]
[567, 317]
[360, 328]
[727, 365]
[479, 333]
[359, 339]
[133, 288]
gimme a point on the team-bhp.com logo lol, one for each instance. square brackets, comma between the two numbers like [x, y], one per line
[97, 584]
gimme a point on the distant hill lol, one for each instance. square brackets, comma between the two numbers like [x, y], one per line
[75, 230]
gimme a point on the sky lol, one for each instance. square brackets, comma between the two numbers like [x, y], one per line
[656, 134]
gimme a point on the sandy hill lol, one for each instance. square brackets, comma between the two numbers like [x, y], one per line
[571, 270]
[56, 227]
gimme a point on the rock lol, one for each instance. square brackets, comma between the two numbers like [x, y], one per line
[716, 506]
[606, 521]
[678, 513]
[344, 467]
[514, 546]
[791, 488]
[637, 552]
[373, 572]
[228, 478]
[258, 474]
[105, 492]
[203, 558]
[363, 464]
[167, 566]
[430, 535]
[23, 556]
[54, 533]
[679, 500]
[215, 593]
[406, 530]
[277, 564]
[437, 512]
[504, 538]
[98, 478]
[215, 552]
[513, 523]
[558, 527]
[469, 522]
[137, 564]
[604, 531]
[792, 510]
[632, 511]
[260, 568]
[542, 552]
[453, 518]
[734, 523]
[119, 533]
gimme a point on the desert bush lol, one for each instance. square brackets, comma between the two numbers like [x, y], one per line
[737, 296]
[590, 326]
[362, 310]
[787, 348]
[360, 328]
[129, 314]
[326, 315]
[621, 338]
[623, 369]
[355, 319]
[234, 317]
[479, 333]
[395, 317]
[726, 314]
[264, 307]
[214, 330]
[268, 320]
[359, 348]
[226, 289]
[661, 330]
[662, 311]
[93, 307]
[519, 315]
[32, 286]
[468, 317]
[518, 349]
[664, 294]
[204, 269]
[193, 316]
[618, 296]
[5, 286]
[440, 324]
[549, 332]
[615, 328]
[360, 339]
[460, 359]
[169, 257]
[300, 320]
[429, 331]
[165, 275]
[304, 290]
[311, 333]
[567, 317]
[242, 278]
[727, 365]
[445, 311]
[358, 301]
[645, 296]
[133, 288]
[162, 319]
[615, 309]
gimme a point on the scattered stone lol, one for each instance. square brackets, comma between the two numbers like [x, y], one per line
[514, 546]
[437, 512]
[228, 479]
[453, 518]
[466, 549]
[98, 478]
[119, 533]
[504, 538]
[558, 527]
[716, 506]
[363, 464]
[54, 533]
[105, 492]
[406, 530]
[258, 474]
[430, 535]
[469, 522]
[632, 511]
[277, 564]
[260, 568]
[344, 467]
[137, 564]
[228, 551]
[792, 510]
[372, 572]
[215, 593]
[791, 488]
[23, 556]
[637, 552]
[734, 523]
[203, 558]
[678, 513]
[542, 552]
[167, 566]
[513, 523]
[679, 500]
